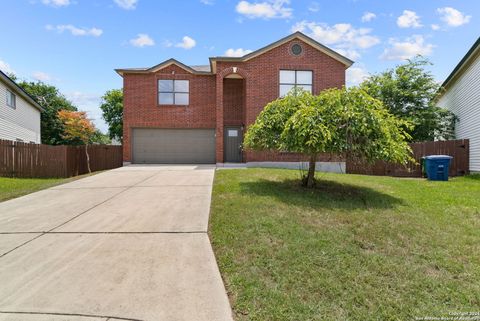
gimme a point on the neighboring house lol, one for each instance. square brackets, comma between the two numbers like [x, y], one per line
[462, 96]
[174, 113]
[19, 113]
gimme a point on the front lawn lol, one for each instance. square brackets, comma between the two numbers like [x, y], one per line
[355, 248]
[15, 187]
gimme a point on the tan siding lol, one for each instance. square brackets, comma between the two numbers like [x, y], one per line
[22, 123]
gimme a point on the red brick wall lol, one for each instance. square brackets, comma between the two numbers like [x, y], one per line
[262, 84]
[233, 102]
[141, 107]
[212, 98]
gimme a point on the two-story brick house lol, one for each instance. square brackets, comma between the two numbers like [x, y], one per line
[174, 113]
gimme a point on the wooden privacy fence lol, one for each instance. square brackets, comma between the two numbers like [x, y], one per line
[34, 160]
[458, 149]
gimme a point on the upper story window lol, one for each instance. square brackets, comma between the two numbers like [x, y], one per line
[173, 92]
[11, 99]
[290, 79]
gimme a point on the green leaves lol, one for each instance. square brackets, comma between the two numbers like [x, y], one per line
[307, 130]
[409, 92]
[345, 121]
[112, 112]
[265, 133]
[52, 101]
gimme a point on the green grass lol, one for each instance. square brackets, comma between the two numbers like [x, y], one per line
[355, 248]
[16, 187]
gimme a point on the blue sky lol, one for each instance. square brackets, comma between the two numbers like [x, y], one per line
[76, 44]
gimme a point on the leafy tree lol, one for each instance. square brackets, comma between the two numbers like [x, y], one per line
[409, 91]
[52, 102]
[100, 138]
[12, 76]
[344, 121]
[78, 129]
[112, 108]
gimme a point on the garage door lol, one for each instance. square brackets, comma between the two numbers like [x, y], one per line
[173, 146]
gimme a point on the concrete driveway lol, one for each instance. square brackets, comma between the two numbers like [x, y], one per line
[127, 244]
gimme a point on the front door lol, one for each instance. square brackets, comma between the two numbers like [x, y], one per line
[233, 144]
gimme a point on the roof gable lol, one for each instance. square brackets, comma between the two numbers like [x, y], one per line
[297, 35]
[459, 68]
[161, 66]
[19, 90]
[170, 62]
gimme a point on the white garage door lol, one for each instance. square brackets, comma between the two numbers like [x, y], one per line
[173, 146]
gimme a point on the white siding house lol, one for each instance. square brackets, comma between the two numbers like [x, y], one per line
[462, 97]
[19, 113]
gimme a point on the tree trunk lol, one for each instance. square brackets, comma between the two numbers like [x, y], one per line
[310, 182]
[88, 158]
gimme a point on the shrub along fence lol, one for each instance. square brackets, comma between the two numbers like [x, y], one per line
[42, 161]
[458, 149]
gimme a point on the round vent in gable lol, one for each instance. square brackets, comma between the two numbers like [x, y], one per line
[296, 49]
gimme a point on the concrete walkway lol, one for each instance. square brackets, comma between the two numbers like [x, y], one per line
[127, 244]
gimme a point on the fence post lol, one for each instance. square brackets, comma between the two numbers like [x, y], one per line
[66, 161]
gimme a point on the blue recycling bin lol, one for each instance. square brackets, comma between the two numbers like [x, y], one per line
[437, 167]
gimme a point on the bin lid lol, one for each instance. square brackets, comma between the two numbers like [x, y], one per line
[438, 157]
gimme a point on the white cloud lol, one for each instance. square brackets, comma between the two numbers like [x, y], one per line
[6, 67]
[95, 32]
[453, 17]
[355, 75]
[142, 40]
[187, 43]
[314, 7]
[207, 2]
[368, 16]
[57, 3]
[80, 98]
[127, 4]
[41, 76]
[167, 43]
[435, 27]
[237, 52]
[90, 103]
[410, 47]
[409, 19]
[267, 9]
[343, 36]
[349, 53]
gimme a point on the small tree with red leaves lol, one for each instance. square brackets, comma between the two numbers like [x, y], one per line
[77, 129]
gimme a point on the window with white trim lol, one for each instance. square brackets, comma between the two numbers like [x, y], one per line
[290, 79]
[173, 92]
[11, 99]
